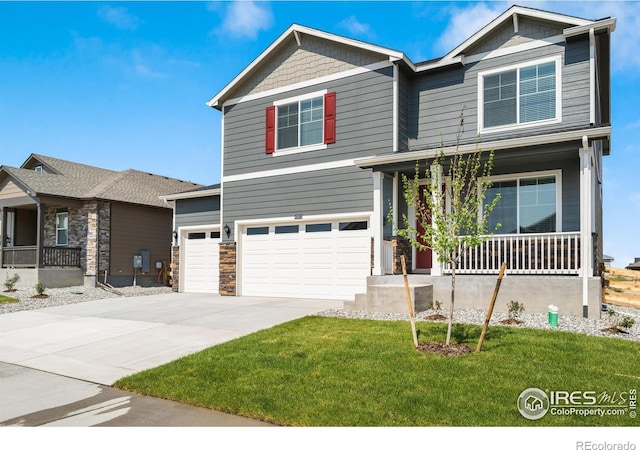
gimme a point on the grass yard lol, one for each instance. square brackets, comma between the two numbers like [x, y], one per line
[4, 299]
[320, 371]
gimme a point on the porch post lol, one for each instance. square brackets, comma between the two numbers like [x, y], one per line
[586, 239]
[3, 221]
[376, 223]
[436, 181]
[39, 227]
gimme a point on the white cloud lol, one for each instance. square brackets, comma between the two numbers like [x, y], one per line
[465, 22]
[119, 17]
[142, 68]
[246, 19]
[357, 28]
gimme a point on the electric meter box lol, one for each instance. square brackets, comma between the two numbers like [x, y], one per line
[137, 261]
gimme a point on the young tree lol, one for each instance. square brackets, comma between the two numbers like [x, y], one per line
[463, 224]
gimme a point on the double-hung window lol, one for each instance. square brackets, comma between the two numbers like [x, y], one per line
[62, 228]
[529, 203]
[300, 124]
[518, 96]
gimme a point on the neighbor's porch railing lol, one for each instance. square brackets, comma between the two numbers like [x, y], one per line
[25, 256]
[539, 253]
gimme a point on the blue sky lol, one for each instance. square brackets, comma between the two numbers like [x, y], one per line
[124, 85]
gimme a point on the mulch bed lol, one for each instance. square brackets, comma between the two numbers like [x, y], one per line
[614, 330]
[10, 290]
[435, 317]
[511, 321]
[40, 296]
[445, 350]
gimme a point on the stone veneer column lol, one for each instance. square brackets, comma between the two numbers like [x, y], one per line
[90, 213]
[401, 247]
[228, 266]
[175, 268]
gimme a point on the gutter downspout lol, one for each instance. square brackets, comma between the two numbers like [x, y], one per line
[592, 77]
[396, 102]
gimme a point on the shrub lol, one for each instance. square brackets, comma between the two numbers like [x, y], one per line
[39, 288]
[9, 283]
[515, 309]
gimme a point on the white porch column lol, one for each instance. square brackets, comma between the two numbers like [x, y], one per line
[376, 223]
[436, 188]
[586, 212]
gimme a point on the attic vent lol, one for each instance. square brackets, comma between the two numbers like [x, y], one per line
[38, 169]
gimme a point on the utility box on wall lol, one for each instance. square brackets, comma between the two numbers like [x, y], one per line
[146, 260]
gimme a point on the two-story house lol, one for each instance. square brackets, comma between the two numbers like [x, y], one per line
[318, 129]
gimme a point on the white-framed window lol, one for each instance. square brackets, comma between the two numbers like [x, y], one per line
[300, 123]
[523, 95]
[529, 203]
[62, 228]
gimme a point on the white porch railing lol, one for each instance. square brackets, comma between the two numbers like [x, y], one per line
[539, 253]
[387, 257]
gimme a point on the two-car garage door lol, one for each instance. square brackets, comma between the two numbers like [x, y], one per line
[326, 260]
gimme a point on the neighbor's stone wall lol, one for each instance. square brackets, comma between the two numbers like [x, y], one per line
[175, 268]
[228, 267]
[84, 233]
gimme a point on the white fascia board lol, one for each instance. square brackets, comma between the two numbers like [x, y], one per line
[441, 63]
[591, 133]
[605, 24]
[521, 11]
[298, 30]
[288, 171]
[192, 194]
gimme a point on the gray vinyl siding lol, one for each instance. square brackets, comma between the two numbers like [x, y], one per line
[364, 108]
[439, 98]
[331, 191]
[198, 211]
[404, 90]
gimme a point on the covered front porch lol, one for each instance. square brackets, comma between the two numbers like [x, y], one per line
[35, 245]
[550, 216]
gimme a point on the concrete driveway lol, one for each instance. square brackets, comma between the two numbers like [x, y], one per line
[102, 341]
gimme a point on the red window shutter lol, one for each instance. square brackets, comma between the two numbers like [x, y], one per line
[330, 118]
[270, 144]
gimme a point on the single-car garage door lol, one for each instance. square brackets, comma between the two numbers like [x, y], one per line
[326, 260]
[201, 255]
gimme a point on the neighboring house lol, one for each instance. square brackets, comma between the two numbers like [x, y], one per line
[196, 239]
[607, 260]
[67, 224]
[318, 129]
[634, 265]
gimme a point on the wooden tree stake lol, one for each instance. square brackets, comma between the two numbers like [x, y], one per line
[493, 302]
[406, 288]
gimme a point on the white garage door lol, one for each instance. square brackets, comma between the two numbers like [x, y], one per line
[201, 250]
[328, 260]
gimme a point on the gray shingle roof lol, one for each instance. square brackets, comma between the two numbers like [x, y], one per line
[74, 180]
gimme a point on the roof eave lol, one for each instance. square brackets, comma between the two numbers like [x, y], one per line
[608, 24]
[191, 194]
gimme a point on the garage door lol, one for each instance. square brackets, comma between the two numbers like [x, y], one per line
[201, 250]
[328, 260]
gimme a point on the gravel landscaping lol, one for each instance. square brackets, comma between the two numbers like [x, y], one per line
[75, 294]
[476, 316]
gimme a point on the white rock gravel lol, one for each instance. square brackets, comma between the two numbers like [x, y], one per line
[75, 294]
[582, 325]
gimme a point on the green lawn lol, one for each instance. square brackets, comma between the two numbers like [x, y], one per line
[319, 371]
[4, 299]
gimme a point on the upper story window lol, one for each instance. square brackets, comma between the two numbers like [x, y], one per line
[38, 169]
[301, 124]
[518, 96]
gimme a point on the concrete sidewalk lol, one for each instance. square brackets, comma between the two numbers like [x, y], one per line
[102, 341]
